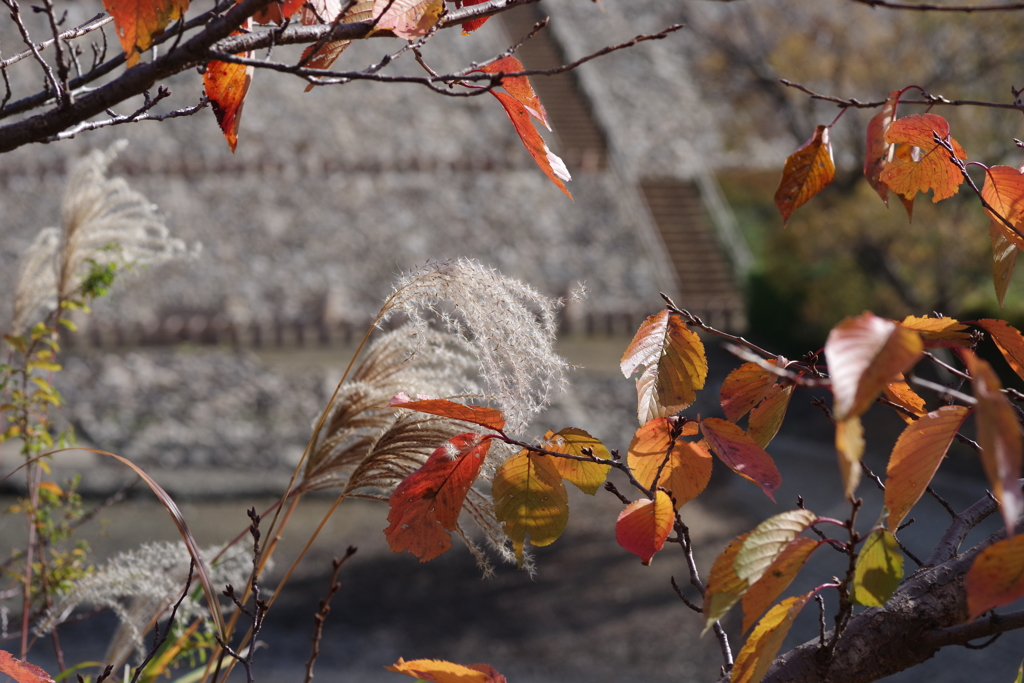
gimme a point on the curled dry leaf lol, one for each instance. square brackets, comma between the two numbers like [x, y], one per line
[807, 172]
[724, 588]
[586, 476]
[743, 456]
[878, 571]
[685, 472]
[934, 170]
[780, 574]
[644, 525]
[759, 651]
[996, 578]
[139, 21]
[768, 540]
[530, 500]
[440, 671]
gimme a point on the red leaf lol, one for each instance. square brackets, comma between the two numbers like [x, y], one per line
[643, 526]
[548, 161]
[226, 85]
[139, 21]
[1004, 191]
[473, 24]
[741, 454]
[807, 172]
[996, 578]
[426, 505]
[22, 672]
[518, 87]
[934, 170]
[277, 11]
[877, 152]
[492, 418]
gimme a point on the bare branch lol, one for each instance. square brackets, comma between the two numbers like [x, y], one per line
[886, 4]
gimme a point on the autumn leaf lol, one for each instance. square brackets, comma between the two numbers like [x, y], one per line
[999, 436]
[939, 332]
[900, 393]
[768, 540]
[806, 173]
[408, 19]
[1008, 340]
[780, 574]
[759, 651]
[530, 500]
[878, 571]
[548, 161]
[22, 672]
[934, 170]
[850, 449]
[586, 476]
[324, 56]
[1004, 259]
[644, 525]
[996, 578]
[724, 588]
[473, 24]
[766, 419]
[426, 505]
[226, 85]
[741, 454]
[1004, 192]
[675, 366]
[877, 149]
[916, 458]
[518, 86]
[440, 671]
[743, 389]
[277, 11]
[492, 418]
[685, 472]
[137, 22]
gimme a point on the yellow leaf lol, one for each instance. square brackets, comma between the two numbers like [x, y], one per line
[586, 476]
[530, 500]
[766, 419]
[759, 651]
[807, 172]
[900, 393]
[850, 448]
[996, 578]
[939, 331]
[879, 570]
[768, 540]
[724, 588]
[685, 471]
[778, 577]
[743, 389]
[440, 671]
[52, 487]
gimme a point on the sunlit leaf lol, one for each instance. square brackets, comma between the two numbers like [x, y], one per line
[1009, 341]
[724, 588]
[767, 541]
[737, 450]
[226, 85]
[916, 457]
[22, 672]
[780, 574]
[877, 149]
[1020, 674]
[549, 162]
[137, 22]
[675, 366]
[586, 476]
[492, 418]
[939, 332]
[934, 170]
[879, 569]
[743, 389]
[759, 651]
[325, 11]
[440, 671]
[1004, 192]
[277, 11]
[408, 18]
[996, 578]
[518, 86]
[1004, 260]
[530, 500]
[999, 436]
[426, 505]
[900, 393]
[766, 419]
[644, 525]
[685, 472]
[473, 24]
[850, 449]
[807, 172]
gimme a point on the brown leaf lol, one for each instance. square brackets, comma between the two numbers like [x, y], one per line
[807, 172]
[686, 471]
[996, 578]
[934, 170]
[139, 21]
[277, 11]
[1004, 259]
[877, 149]
[766, 419]
[743, 389]
[741, 454]
[1008, 340]
[408, 18]
[1004, 191]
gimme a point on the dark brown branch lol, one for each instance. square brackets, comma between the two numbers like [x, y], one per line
[949, 544]
[325, 609]
[926, 99]
[886, 4]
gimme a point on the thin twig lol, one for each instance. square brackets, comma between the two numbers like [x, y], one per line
[160, 637]
[886, 4]
[926, 99]
[325, 608]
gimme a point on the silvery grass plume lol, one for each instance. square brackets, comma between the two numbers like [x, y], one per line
[141, 587]
[102, 221]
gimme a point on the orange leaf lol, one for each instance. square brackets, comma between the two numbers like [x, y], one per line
[900, 393]
[675, 366]
[548, 161]
[643, 526]
[440, 671]
[408, 18]
[807, 172]
[518, 87]
[473, 24]
[530, 499]
[1000, 438]
[687, 470]
[996, 578]
[724, 588]
[741, 454]
[877, 151]
[1008, 340]
[777, 579]
[916, 457]
[939, 332]
[934, 170]
[850, 449]
[139, 21]
[277, 11]
[1004, 191]
[586, 476]
[864, 354]
[22, 672]
[767, 542]
[226, 85]
[1004, 259]
[328, 10]
[492, 418]
[426, 505]
[759, 651]
[766, 419]
[743, 389]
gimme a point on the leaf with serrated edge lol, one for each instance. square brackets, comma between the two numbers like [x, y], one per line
[877, 149]
[934, 170]
[1004, 192]
[938, 332]
[473, 24]
[850, 449]
[675, 366]
[759, 651]
[426, 505]
[743, 456]
[440, 671]
[226, 86]
[22, 672]
[996, 578]
[916, 457]
[743, 389]
[549, 162]
[807, 172]
[768, 540]
[900, 393]
[864, 354]
[492, 418]
[586, 476]
[999, 436]
[687, 471]
[644, 525]
[878, 571]
[780, 574]
[1008, 340]
[137, 22]
[530, 500]
[1004, 260]
[766, 419]
[723, 589]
